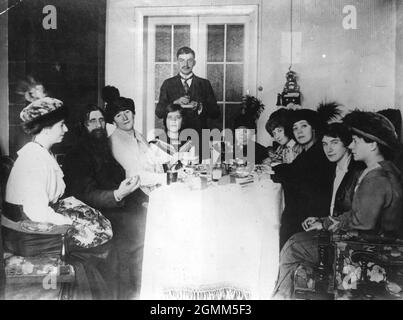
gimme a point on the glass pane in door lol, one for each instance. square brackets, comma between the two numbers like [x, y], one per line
[215, 72]
[233, 82]
[163, 40]
[168, 39]
[181, 37]
[215, 45]
[235, 41]
[162, 72]
[225, 65]
[232, 111]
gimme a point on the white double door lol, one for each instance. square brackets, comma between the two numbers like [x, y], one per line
[226, 54]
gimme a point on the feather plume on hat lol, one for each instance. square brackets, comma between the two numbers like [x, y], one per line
[326, 112]
[42, 110]
[31, 89]
[329, 111]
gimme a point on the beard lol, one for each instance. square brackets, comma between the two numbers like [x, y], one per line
[98, 141]
[99, 135]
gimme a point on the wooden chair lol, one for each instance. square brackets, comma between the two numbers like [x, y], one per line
[353, 266]
[39, 273]
[367, 267]
[315, 282]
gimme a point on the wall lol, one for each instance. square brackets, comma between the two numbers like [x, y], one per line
[69, 60]
[359, 68]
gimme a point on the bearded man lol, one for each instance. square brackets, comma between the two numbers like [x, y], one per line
[96, 178]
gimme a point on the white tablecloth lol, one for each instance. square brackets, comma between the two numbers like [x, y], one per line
[216, 243]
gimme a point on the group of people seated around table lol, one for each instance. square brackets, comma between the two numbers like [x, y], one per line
[343, 182]
[336, 175]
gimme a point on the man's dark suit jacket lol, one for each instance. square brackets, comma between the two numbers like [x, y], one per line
[200, 91]
[91, 177]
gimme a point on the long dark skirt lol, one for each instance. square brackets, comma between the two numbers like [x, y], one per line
[94, 267]
[128, 240]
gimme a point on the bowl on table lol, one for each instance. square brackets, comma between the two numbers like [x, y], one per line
[243, 172]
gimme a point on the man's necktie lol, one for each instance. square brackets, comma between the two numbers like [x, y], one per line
[186, 85]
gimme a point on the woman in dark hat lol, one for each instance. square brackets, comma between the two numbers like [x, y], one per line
[33, 190]
[377, 206]
[307, 127]
[307, 180]
[129, 146]
[279, 127]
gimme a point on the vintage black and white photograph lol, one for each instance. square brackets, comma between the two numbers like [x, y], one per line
[202, 150]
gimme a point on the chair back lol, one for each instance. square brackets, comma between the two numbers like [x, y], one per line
[6, 164]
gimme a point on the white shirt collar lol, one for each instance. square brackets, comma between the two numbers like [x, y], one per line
[185, 76]
[344, 162]
[291, 143]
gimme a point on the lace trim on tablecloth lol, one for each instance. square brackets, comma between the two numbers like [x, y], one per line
[222, 292]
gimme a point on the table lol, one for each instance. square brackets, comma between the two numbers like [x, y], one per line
[217, 243]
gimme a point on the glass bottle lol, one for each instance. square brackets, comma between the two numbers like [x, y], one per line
[217, 172]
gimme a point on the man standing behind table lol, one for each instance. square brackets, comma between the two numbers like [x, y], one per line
[95, 177]
[193, 93]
